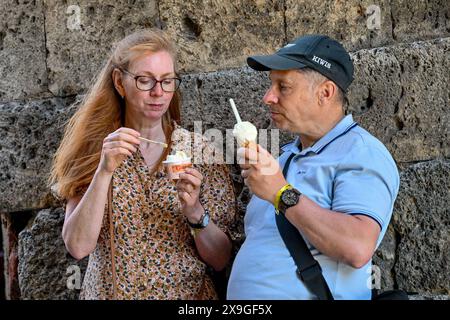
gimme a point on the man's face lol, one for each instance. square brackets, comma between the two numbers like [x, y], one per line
[293, 102]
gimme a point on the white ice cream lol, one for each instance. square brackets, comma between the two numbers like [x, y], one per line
[245, 132]
[179, 156]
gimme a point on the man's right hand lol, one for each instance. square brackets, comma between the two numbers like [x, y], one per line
[116, 147]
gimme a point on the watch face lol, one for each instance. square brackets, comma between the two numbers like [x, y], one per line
[205, 220]
[290, 197]
[201, 224]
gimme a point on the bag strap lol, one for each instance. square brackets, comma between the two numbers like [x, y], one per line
[308, 269]
[111, 242]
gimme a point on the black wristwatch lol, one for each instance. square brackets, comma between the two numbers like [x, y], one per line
[288, 198]
[200, 225]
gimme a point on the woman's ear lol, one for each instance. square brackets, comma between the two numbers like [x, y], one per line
[117, 80]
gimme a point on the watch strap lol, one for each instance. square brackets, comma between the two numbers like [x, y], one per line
[199, 224]
[278, 196]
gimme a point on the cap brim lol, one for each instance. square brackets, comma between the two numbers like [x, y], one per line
[273, 62]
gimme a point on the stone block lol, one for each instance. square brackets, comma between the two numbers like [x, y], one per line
[357, 24]
[214, 35]
[384, 260]
[416, 19]
[422, 219]
[399, 96]
[30, 134]
[80, 37]
[428, 296]
[363, 24]
[46, 270]
[22, 50]
[206, 98]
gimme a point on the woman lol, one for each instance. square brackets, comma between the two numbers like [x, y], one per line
[122, 210]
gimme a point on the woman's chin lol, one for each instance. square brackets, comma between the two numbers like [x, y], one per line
[153, 115]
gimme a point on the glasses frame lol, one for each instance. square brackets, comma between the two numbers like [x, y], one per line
[136, 77]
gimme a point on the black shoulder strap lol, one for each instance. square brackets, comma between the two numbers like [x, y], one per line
[308, 269]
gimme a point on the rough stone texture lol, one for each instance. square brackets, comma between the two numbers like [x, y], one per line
[384, 259]
[77, 51]
[206, 98]
[22, 50]
[417, 19]
[422, 219]
[45, 267]
[346, 21]
[30, 133]
[352, 22]
[429, 297]
[215, 34]
[398, 96]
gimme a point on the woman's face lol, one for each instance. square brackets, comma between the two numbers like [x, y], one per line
[154, 103]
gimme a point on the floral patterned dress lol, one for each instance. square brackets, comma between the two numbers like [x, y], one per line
[155, 254]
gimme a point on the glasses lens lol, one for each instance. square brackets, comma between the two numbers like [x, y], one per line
[145, 83]
[148, 83]
[170, 85]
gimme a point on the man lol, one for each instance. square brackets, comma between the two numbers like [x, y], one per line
[341, 183]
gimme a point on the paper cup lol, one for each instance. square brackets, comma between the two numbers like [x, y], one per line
[245, 143]
[174, 168]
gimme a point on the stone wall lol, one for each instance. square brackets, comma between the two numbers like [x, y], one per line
[50, 51]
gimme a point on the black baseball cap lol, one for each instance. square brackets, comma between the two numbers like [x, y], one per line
[318, 52]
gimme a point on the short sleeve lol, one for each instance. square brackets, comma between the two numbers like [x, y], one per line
[366, 183]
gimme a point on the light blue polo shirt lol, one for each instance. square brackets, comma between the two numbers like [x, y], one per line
[348, 171]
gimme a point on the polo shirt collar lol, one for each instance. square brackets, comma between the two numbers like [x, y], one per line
[292, 147]
[342, 127]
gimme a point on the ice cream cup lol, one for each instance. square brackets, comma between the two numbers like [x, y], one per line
[246, 143]
[175, 167]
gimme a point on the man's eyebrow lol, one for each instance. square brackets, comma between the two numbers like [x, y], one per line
[281, 79]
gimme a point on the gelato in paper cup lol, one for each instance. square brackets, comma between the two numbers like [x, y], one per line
[176, 164]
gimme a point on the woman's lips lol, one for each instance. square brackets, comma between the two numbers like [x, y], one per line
[155, 106]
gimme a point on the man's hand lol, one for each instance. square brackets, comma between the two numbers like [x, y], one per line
[261, 172]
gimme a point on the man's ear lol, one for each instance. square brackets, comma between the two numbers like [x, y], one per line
[327, 92]
[117, 81]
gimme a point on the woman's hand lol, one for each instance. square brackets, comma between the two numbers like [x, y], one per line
[116, 147]
[188, 187]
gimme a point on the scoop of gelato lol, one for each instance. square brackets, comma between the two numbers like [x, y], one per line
[245, 132]
[179, 156]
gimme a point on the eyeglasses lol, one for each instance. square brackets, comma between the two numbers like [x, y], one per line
[146, 83]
